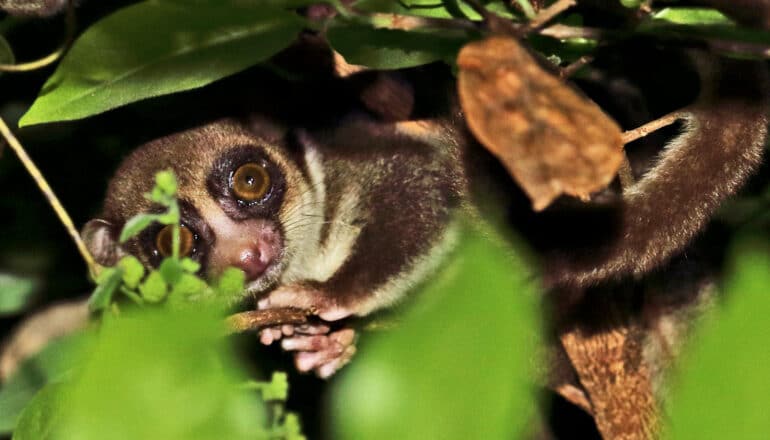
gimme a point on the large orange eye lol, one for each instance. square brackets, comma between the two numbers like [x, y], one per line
[250, 182]
[165, 239]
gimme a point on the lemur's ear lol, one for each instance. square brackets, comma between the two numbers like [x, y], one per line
[387, 94]
[99, 236]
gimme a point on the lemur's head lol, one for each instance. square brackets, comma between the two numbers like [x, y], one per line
[245, 201]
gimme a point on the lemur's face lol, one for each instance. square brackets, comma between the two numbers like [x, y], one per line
[243, 201]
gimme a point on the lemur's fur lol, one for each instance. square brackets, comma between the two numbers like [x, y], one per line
[366, 207]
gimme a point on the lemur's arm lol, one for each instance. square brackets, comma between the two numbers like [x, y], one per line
[721, 144]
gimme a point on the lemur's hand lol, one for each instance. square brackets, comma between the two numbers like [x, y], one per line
[316, 347]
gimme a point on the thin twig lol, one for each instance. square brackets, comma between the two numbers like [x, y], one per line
[563, 32]
[37, 176]
[640, 132]
[576, 65]
[258, 319]
[52, 57]
[549, 14]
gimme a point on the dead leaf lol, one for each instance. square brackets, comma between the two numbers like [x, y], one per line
[552, 140]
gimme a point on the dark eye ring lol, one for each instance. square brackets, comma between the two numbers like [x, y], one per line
[250, 182]
[165, 237]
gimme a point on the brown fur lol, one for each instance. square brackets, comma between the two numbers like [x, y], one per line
[721, 145]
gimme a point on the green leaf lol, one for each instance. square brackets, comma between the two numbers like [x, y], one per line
[433, 8]
[16, 292]
[155, 375]
[137, 224]
[692, 16]
[156, 48]
[43, 414]
[171, 270]
[106, 284]
[49, 365]
[723, 387]
[133, 271]
[230, 283]
[6, 53]
[187, 286]
[166, 182]
[189, 265]
[459, 366]
[277, 388]
[631, 4]
[393, 49]
[292, 427]
[154, 287]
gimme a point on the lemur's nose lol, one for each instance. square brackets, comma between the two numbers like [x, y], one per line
[252, 262]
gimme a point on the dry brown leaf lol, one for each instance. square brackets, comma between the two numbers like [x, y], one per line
[552, 140]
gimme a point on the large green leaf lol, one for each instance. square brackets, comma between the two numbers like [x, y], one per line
[151, 375]
[458, 367]
[156, 48]
[48, 366]
[723, 388]
[393, 49]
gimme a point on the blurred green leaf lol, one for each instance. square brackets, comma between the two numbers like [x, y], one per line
[189, 265]
[154, 288]
[49, 365]
[133, 271]
[459, 366]
[723, 386]
[691, 16]
[187, 286]
[171, 270]
[230, 283]
[6, 53]
[165, 181]
[631, 4]
[156, 48]
[137, 224]
[433, 8]
[42, 414]
[107, 283]
[393, 49]
[156, 375]
[277, 388]
[16, 292]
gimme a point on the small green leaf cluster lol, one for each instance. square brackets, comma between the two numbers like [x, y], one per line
[149, 372]
[175, 281]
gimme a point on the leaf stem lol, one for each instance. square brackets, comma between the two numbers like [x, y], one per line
[37, 176]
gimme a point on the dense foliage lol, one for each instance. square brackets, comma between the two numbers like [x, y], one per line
[459, 364]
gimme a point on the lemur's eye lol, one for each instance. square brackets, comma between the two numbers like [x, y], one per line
[250, 182]
[164, 241]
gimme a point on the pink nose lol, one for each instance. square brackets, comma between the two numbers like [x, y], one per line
[250, 261]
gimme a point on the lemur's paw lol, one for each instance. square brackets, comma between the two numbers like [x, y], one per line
[323, 354]
[270, 334]
[304, 297]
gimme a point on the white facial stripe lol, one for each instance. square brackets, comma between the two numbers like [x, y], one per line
[304, 221]
[342, 236]
[311, 259]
